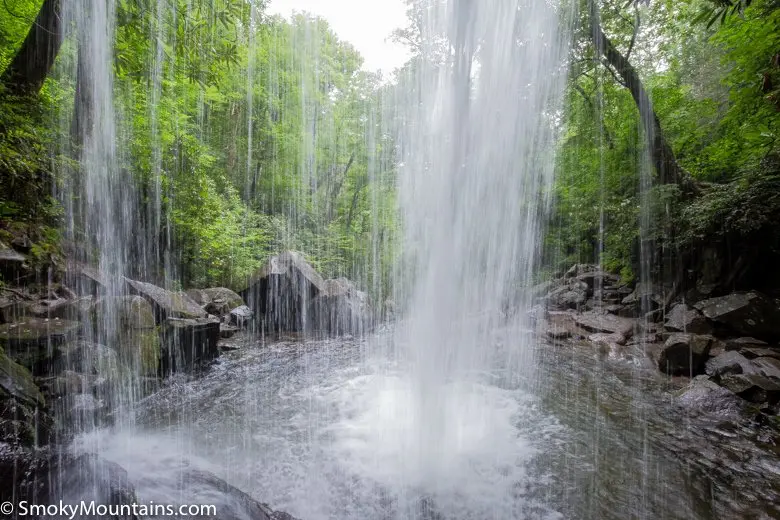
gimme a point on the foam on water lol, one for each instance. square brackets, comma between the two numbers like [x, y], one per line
[339, 442]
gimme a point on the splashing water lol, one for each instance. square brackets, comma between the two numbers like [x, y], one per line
[477, 169]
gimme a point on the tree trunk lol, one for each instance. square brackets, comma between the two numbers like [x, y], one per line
[32, 63]
[661, 154]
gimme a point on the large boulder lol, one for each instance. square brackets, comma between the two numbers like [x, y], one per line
[753, 387]
[748, 314]
[705, 396]
[340, 309]
[13, 265]
[730, 362]
[23, 420]
[595, 321]
[682, 318]
[221, 300]
[34, 342]
[230, 502]
[90, 281]
[167, 304]
[280, 291]
[189, 343]
[647, 296]
[684, 354]
[89, 478]
[129, 323]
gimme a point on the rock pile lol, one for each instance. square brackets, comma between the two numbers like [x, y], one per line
[727, 344]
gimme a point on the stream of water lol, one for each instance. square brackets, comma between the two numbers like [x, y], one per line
[321, 430]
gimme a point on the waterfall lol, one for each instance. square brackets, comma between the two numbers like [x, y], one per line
[476, 170]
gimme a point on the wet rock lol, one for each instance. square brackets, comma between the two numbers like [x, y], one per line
[560, 325]
[90, 478]
[201, 487]
[241, 316]
[89, 281]
[21, 469]
[188, 343]
[644, 338]
[682, 318]
[607, 344]
[227, 331]
[89, 358]
[704, 395]
[752, 387]
[280, 291]
[568, 297]
[33, 342]
[647, 296]
[740, 343]
[768, 367]
[340, 309]
[137, 337]
[12, 264]
[167, 304]
[78, 309]
[13, 309]
[222, 300]
[729, 362]
[199, 296]
[749, 314]
[580, 269]
[596, 321]
[684, 354]
[23, 420]
[756, 352]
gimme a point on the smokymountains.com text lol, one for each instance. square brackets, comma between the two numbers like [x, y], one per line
[94, 509]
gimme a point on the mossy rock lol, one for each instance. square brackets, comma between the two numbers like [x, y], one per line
[22, 417]
[141, 349]
[34, 342]
[137, 338]
[230, 298]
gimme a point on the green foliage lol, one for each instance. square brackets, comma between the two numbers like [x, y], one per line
[717, 98]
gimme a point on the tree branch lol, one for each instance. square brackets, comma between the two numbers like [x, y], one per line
[28, 70]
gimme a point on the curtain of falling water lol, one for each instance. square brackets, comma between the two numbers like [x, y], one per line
[100, 202]
[476, 172]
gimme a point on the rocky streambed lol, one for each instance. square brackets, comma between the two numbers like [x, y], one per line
[725, 347]
[80, 350]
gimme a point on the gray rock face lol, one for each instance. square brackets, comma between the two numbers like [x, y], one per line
[340, 309]
[706, 396]
[188, 343]
[221, 300]
[647, 294]
[33, 342]
[595, 321]
[167, 304]
[756, 352]
[684, 354]
[740, 343]
[89, 281]
[729, 362]
[12, 263]
[137, 339]
[281, 290]
[89, 478]
[22, 420]
[768, 367]
[752, 387]
[682, 318]
[749, 314]
[241, 316]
